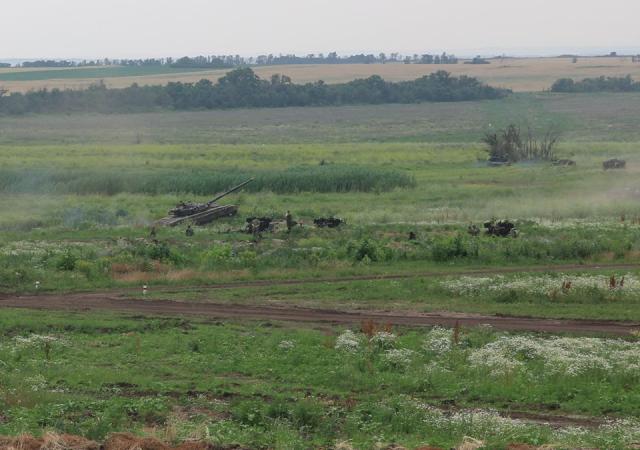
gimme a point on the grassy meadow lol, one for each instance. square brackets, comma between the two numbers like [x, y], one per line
[79, 195]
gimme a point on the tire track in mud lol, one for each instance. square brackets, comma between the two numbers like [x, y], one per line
[119, 304]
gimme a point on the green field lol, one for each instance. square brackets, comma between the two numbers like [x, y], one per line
[90, 72]
[585, 118]
[79, 195]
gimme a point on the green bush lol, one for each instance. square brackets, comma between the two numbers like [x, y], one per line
[217, 255]
[451, 248]
[307, 413]
[249, 412]
[67, 261]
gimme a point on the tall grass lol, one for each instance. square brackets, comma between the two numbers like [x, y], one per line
[325, 178]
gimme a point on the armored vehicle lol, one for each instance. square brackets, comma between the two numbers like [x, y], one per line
[328, 222]
[501, 228]
[201, 213]
[614, 164]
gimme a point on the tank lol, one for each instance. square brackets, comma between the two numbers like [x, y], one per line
[202, 213]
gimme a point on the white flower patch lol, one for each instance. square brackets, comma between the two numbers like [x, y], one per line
[383, 339]
[559, 356]
[497, 363]
[438, 340]
[398, 358]
[434, 368]
[286, 345]
[36, 383]
[348, 341]
[478, 422]
[541, 284]
[37, 340]
[37, 249]
[611, 434]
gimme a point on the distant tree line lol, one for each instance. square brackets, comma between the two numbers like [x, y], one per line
[230, 61]
[49, 63]
[478, 60]
[242, 88]
[599, 84]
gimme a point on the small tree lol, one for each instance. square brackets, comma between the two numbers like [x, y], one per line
[504, 145]
[508, 145]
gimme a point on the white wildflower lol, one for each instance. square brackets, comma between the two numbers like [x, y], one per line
[398, 358]
[286, 345]
[438, 340]
[559, 284]
[348, 341]
[383, 339]
[497, 363]
[36, 382]
[563, 356]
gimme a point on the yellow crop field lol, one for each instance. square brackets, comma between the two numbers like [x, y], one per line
[519, 74]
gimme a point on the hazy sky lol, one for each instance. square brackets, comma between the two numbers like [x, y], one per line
[138, 28]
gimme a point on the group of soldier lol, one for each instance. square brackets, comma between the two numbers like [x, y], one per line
[493, 228]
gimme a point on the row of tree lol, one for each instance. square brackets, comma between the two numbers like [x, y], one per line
[242, 88]
[599, 84]
[229, 61]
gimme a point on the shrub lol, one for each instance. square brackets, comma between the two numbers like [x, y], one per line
[66, 261]
[217, 255]
[509, 145]
[249, 412]
[450, 248]
[307, 413]
[368, 249]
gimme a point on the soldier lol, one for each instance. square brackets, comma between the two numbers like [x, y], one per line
[473, 230]
[152, 233]
[412, 236]
[189, 231]
[254, 227]
[289, 220]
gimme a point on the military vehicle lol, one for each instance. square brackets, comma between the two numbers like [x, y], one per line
[201, 213]
[500, 228]
[563, 162]
[328, 222]
[614, 164]
[259, 224]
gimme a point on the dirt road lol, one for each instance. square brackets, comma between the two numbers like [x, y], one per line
[119, 304]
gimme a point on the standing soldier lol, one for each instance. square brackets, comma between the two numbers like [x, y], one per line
[289, 220]
[189, 231]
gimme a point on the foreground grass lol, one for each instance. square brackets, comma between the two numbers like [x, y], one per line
[262, 385]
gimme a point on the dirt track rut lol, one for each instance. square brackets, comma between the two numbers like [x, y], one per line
[114, 303]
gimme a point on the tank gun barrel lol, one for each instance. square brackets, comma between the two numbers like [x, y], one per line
[230, 191]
